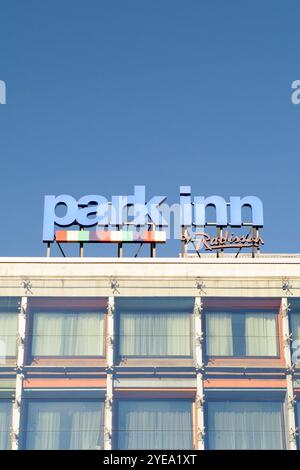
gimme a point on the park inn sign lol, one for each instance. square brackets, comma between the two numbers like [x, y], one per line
[134, 218]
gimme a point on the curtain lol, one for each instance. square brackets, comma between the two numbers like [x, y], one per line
[295, 323]
[43, 426]
[5, 423]
[261, 334]
[64, 425]
[155, 425]
[245, 425]
[219, 341]
[8, 333]
[67, 334]
[155, 334]
[87, 426]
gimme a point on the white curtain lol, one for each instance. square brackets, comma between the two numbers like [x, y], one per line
[87, 426]
[260, 334]
[295, 323]
[67, 334]
[245, 425]
[64, 425]
[5, 423]
[219, 341]
[155, 334]
[43, 426]
[8, 333]
[155, 425]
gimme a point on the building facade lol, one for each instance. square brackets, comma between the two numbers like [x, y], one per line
[158, 353]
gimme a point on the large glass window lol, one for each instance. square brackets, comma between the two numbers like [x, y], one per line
[67, 333]
[243, 333]
[5, 423]
[155, 424]
[9, 308]
[298, 421]
[245, 425]
[156, 327]
[64, 425]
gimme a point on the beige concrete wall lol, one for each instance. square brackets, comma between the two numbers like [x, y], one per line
[258, 277]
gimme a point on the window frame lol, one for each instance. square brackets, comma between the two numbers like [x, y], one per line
[62, 305]
[123, 359]
[156, 397]
[221, 396]
[51, 399]
[242, 357]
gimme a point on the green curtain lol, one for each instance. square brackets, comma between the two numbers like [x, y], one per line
[64, 425]
[219, 341]
[155, 425]
[8, 333]
[261, 334]
[155, 334]
[5, 423]
[245, 425]
[67, 334]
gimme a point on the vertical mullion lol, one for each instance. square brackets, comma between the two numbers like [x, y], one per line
[108, 406]
[198, 339]
[16, 417]
[291, 420]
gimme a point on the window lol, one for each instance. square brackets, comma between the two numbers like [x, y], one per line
[67, 333]
[247, 333]
[155, 424]
[298, 420]
[245, 425]
[295, 328]
[155, 327]
[5, 423]
[9, 308]
[64, 425]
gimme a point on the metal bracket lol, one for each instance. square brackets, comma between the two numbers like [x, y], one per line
[291, 369]
[288, 339]
[114, 285]
[199, 337]
[200, 368]
[291, 401]
[200, 400]
[294, 432]
[200, 285]
[201, 434]
[287, 286]
[27, 285]
[107, 433]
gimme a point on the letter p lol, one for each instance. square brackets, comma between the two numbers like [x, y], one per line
[50, 217]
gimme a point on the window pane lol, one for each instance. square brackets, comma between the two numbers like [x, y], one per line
[155, 326]
[67, 334]
[8, 333]
[219, 334]
[5, 423]
[64, 425]
[155, 334]
[155, 425]
[241, 334]
[245, 425]
[261, 334]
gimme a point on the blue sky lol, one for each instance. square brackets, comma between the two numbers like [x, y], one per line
[103, 95]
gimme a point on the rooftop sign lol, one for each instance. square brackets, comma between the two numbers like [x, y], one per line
[135, 219]
[135, 212]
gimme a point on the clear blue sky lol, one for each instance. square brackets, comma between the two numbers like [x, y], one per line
[102, 95]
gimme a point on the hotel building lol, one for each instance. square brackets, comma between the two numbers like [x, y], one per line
[150, 353]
